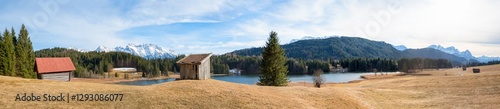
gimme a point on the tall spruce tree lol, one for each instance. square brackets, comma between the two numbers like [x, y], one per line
[273, 69]
[25, 54]
[14, 37]
[2, 55]
[9, 55]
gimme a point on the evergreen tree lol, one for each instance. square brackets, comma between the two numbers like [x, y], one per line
[14, 37]
[273, 69]
[2, 55]
[25, 54]
[9, 55]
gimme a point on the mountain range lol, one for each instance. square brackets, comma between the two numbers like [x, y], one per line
[340, 47]
[454, 51]
[336, 47]
[148, 51]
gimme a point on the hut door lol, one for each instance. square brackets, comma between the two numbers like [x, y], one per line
[197, 72]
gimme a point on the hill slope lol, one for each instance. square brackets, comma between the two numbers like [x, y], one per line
[351, 47]
[332, 47]
[433, 54]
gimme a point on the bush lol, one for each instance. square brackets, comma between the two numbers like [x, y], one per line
[318, 79]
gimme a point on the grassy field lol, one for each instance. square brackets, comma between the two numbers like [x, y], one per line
[428, 89]
[178, 94]
[433, 89]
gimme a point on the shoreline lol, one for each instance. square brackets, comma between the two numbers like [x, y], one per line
[365, 77]
[175, 76]
[117, 80]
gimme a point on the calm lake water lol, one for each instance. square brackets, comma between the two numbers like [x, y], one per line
[252, 79]
[146, 82]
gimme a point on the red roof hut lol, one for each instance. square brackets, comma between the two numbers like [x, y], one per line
[54, 68]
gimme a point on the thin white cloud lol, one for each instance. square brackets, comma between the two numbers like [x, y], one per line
[466, 24]
[413, 23]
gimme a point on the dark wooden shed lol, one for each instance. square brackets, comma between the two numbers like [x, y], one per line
[54, 68]
[476, 70]
[195, 66]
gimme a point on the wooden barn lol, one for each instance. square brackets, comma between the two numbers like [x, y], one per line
[195, 66]
[54, 68]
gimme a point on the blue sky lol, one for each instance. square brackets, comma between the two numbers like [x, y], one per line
[220, 26]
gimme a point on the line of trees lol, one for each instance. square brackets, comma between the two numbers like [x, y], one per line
[405, 64]
[92, 64]
[218, 66]
[247, 64]
[16, 54]
[250, 64]
[368, 65]
[483, 63]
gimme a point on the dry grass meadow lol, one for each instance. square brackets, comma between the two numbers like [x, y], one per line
[429, 89]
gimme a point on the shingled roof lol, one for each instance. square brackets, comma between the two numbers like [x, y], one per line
[194, 58]
[51, 65]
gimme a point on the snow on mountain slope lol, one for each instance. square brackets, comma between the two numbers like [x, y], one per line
[465, 54]
[310, 37]
[454, 51]
[103, 49]
[449, 50]
[79, 50]
[149, 51]
[486, 59]
[400, 47]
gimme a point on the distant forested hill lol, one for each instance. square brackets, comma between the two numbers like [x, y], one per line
[333, 47]
[351, 47]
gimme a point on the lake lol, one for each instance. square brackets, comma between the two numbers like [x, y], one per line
[329, 77]
[146, 82]
[252, 79]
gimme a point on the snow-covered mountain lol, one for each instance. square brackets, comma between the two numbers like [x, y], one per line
[103, 49]
[310, 37]
[465, 54]
[149, 51]
[486, 59]
[400, 47]
[454, 51]
[449, 50]
[79, 49]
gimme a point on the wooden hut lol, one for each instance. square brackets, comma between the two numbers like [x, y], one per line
[54, 68]
[476, 70]
[195, 66]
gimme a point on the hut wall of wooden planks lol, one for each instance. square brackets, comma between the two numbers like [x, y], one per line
[195, 66]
